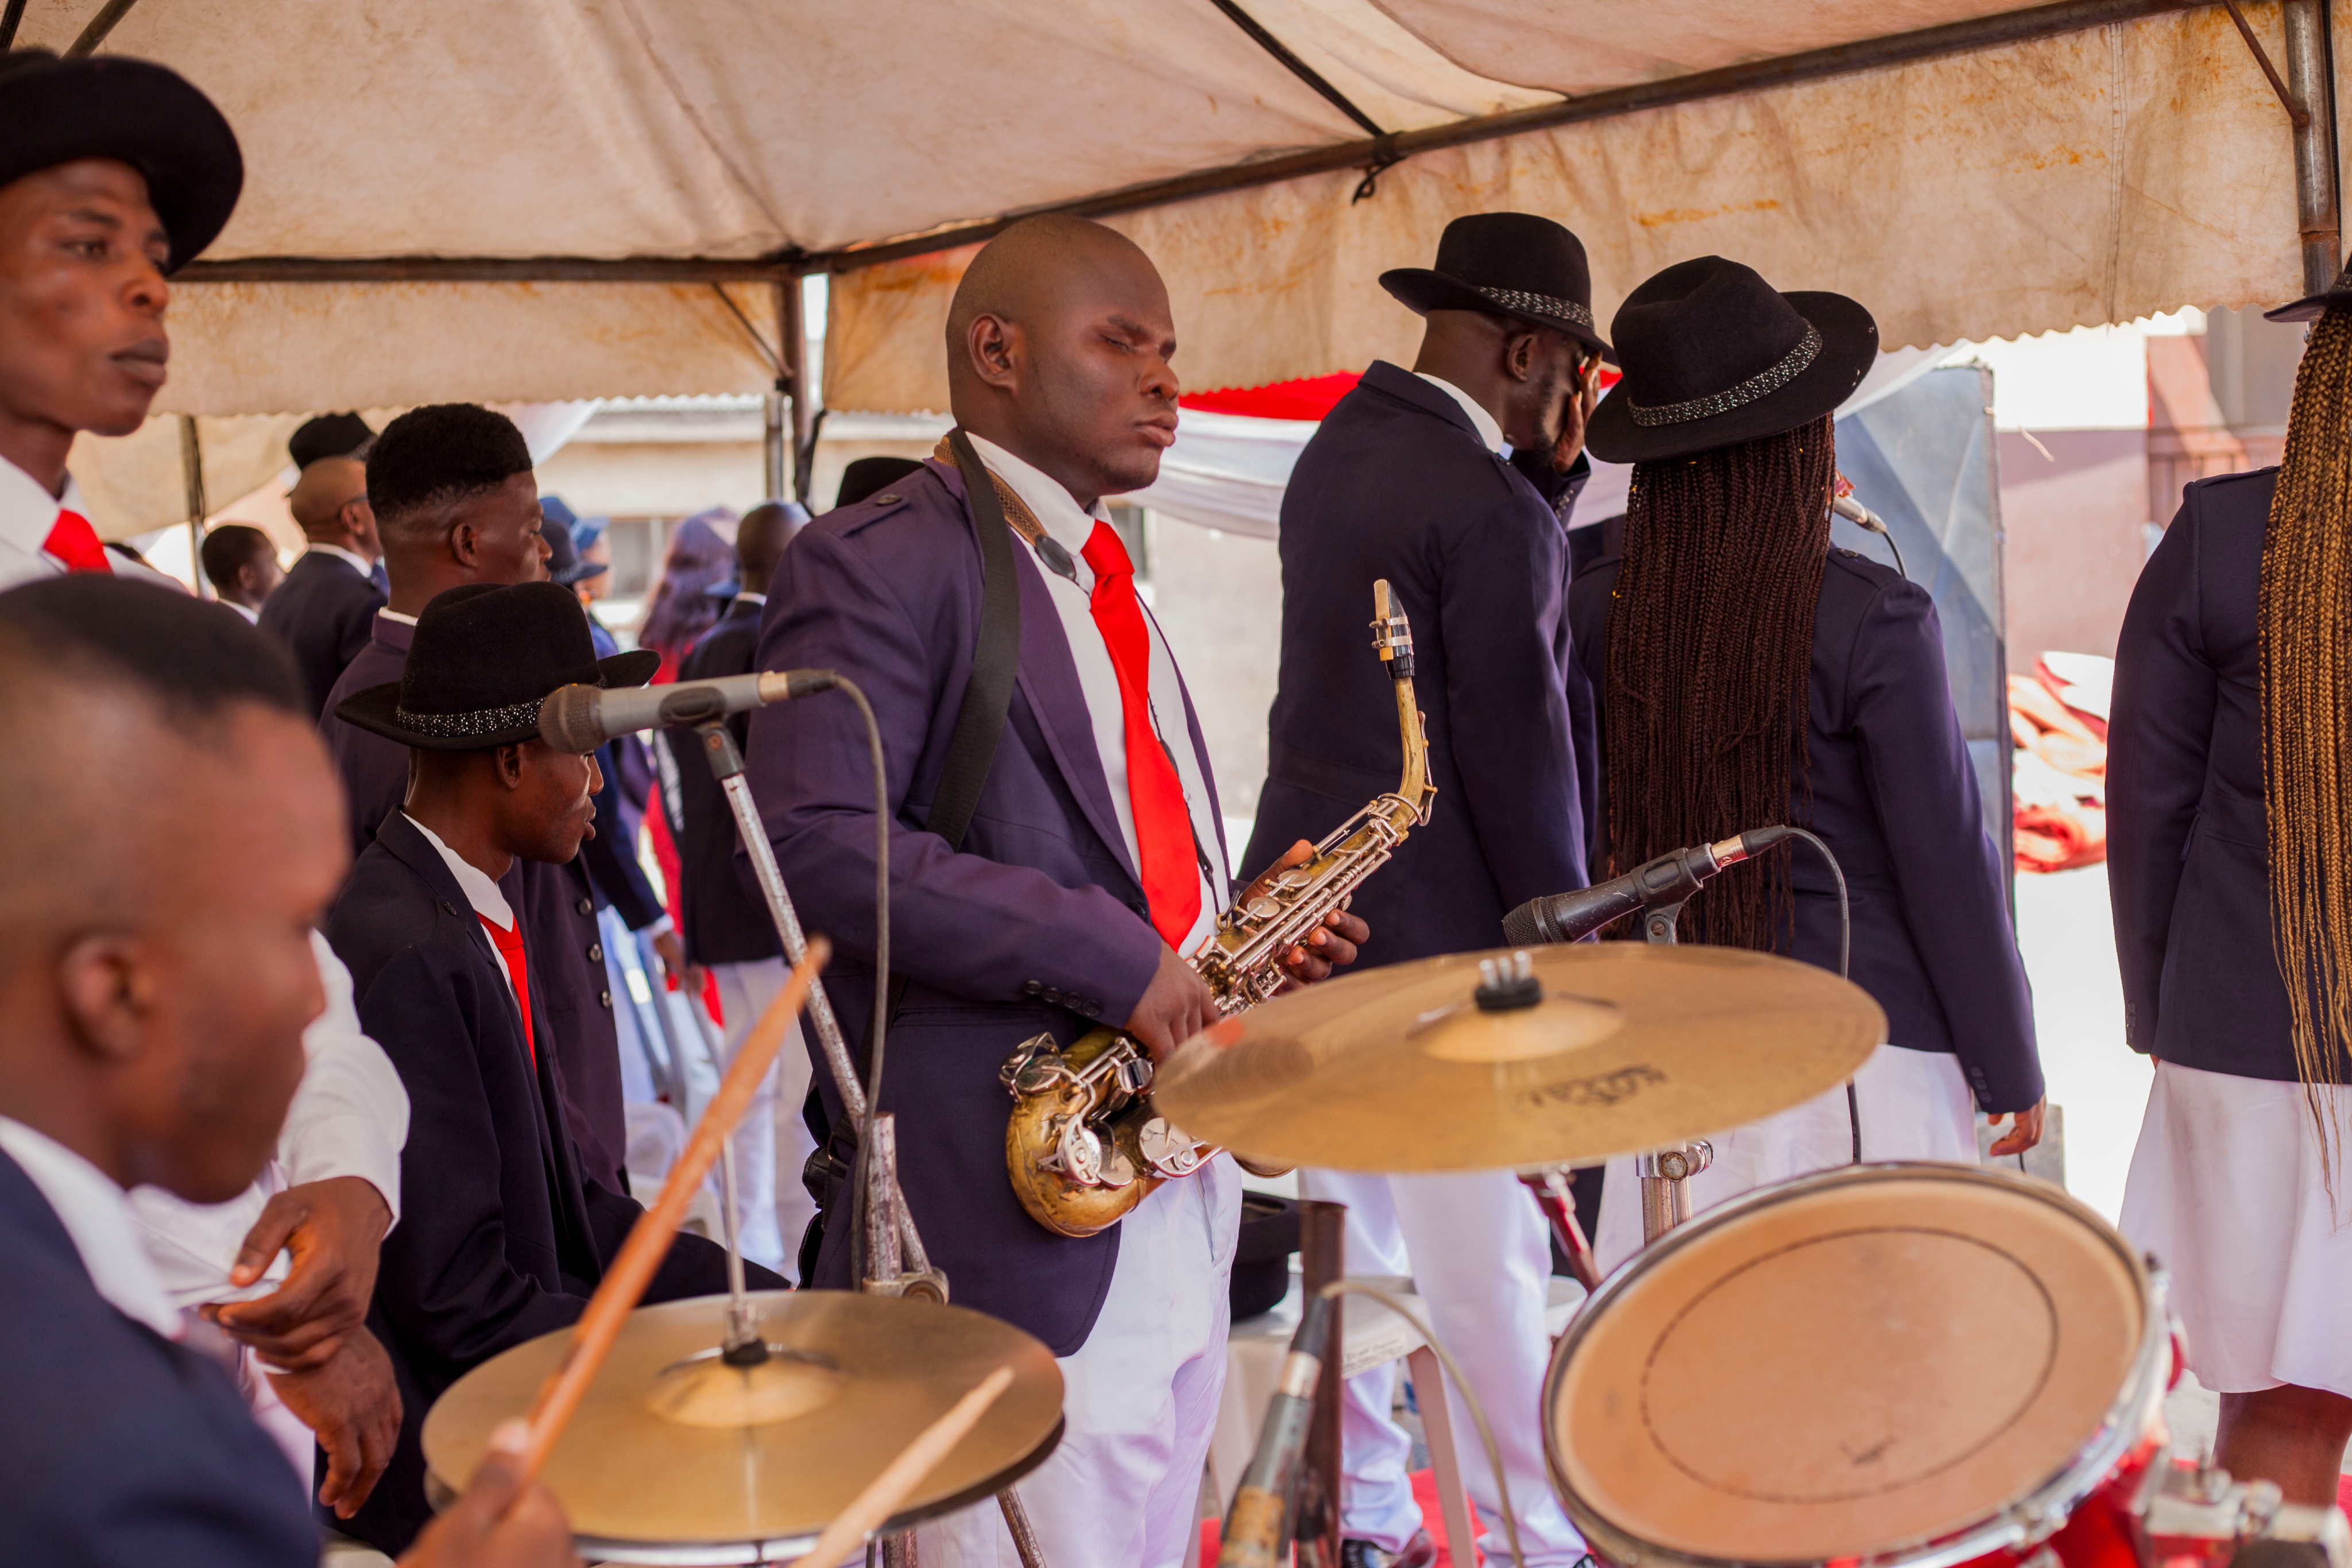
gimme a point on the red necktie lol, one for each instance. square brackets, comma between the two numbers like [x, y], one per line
[73, 541]
[1163, 824]
[509, 947]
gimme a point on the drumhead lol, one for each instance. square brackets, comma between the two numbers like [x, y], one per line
[1847, 1367]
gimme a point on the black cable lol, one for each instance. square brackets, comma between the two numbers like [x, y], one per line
[857, 1175]
[1889, 538]
[1845, 949]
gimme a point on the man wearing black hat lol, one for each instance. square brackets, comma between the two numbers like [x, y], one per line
[327, 605]
[1453, 481]
[508, 1230]
[1751, 675]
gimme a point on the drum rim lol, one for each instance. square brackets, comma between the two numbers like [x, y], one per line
[2024, 1522]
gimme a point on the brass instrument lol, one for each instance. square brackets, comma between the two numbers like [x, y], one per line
[1086, 1144]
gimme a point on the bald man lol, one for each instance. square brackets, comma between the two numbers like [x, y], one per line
[325, 609]
[176, 831]
[1093, 861]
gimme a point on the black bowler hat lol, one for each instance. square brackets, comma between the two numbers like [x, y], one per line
[867, 475]
[55, 111]
[1506, 263]
[1715, 355]
[328, 436]
[2312, 307]
[481, 661]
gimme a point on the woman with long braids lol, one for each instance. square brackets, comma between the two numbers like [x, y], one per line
[2230, 851]
[1748, 674]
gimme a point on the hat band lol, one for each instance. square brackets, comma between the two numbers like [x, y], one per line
[1790, 366]
[467, 726]
[1539, 303]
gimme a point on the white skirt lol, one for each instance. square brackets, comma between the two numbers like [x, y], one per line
[1913, 1105]
[2226, 1192]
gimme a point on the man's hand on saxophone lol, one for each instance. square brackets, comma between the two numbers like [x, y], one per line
[1333, 945]
[1176, 1006]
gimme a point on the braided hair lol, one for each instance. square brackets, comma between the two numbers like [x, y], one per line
[1709, 665]
[2304, 615]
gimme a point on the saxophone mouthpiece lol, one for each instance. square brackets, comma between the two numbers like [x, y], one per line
[1391, 632]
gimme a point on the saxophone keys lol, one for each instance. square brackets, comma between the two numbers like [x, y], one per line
[1263, 907]
[1166, 1147]
[1078, 1154]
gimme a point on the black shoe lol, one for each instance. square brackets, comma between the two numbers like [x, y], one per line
[1418, 1552]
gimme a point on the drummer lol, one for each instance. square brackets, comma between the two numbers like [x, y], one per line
[1751, 675]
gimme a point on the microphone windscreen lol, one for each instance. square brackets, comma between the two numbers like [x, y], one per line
[1524, 926]
[567, 720]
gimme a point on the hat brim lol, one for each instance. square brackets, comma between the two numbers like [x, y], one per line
[135, 112]
[376, 708]
[579, 571]
[1848, 348]
[1420, 291]
[2310, 307]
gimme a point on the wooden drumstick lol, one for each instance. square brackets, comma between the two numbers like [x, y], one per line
[902, 1475]
[625, 1282]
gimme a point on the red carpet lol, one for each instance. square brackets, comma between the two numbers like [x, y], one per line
[1424, 1492]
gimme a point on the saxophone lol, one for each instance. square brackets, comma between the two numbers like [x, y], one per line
[1086, 1144]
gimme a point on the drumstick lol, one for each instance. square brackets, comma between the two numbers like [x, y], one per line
[902, 1475]
[625, 1282]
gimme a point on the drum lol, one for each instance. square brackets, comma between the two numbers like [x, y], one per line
[1922, 1366]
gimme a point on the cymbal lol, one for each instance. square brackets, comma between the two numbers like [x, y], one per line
[1631, 1047]
[673, 1449]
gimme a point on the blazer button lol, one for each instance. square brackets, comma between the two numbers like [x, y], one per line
[1033, 988]
[585, 906]
[448, 909]
[595, 952]
[605, 998]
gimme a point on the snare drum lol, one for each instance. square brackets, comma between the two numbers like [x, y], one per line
[1895, 1364]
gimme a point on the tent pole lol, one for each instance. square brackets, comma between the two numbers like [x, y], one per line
[792, 325]
[771, 441]
[2311, 80]
[192, 472]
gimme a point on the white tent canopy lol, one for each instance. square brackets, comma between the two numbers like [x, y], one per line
[415, 161]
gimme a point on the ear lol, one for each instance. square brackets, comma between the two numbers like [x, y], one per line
[507, 762]
[465, 546]
[108, 987]
[994, 345]
[1519, 354]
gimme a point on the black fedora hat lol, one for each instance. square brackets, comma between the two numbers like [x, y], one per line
[1506, 263]
[55, 111]
[2312, 307]
[483, 659]
[328, 436]
[1715, 355]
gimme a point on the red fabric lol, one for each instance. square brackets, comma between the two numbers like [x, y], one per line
[1309, 397]
[1433, 1518]
[73, 541]
[509, 947]
[1164, 825]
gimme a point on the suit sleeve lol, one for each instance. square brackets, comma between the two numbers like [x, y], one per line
[445, 1282]
[358, 624]
[1948, 877]
[350, 1116]
[2158, 733]
[1502, 614]
[960, 922]
[163, 1488]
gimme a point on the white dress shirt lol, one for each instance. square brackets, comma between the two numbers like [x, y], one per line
[481, 893]
[92, 1209]
[1069, 525]
[27, 513]
[353, 558]
[1489, 430]
[252, 617]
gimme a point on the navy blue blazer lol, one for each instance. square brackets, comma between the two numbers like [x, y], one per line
[322, 611]
[556, 905]
[1039, 922]
[503, 1234]
[2188, 840]
[1396, 484]
[1894, 796]
[119, 1448]
[721, 915]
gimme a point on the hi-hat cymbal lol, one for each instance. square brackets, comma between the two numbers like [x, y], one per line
[674, 1457]
[1631, 1047]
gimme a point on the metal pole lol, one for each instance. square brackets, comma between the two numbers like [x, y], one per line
[792, 324]
[2309, 78]
[1322, 1259]
[192, 475]
[771, 441]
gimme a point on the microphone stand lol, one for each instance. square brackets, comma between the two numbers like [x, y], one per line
[897, 1264]
[1666, 1172]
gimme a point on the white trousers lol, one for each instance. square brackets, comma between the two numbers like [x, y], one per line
[2229, 1191]
[772, 1142]
[1479, 1253]
[1914, 1106]
[1140, 1400]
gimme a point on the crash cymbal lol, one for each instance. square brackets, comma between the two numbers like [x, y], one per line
[676, 1457]
[1627, 1047]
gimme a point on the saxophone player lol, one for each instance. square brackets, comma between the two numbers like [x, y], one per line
[1093, 858]
[1452, 480]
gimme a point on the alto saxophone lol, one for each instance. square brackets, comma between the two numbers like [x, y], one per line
[1086, 1144]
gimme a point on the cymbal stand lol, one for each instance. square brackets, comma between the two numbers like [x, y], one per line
[1553, 1196]
[1666, 1172]
[897, 1263]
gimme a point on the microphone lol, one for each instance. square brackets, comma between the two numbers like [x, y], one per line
[1253, 1532]
[582, 719]
[1669, 879]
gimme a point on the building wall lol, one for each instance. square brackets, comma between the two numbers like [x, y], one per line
[1218, 598]
[2074, 511]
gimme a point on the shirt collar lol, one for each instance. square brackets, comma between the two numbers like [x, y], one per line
[252, 617]
[480, 891]
[1484, 422]
[396, 615]
[97, 1221]
[1056, 510]
[27, 510]
[352, 558]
